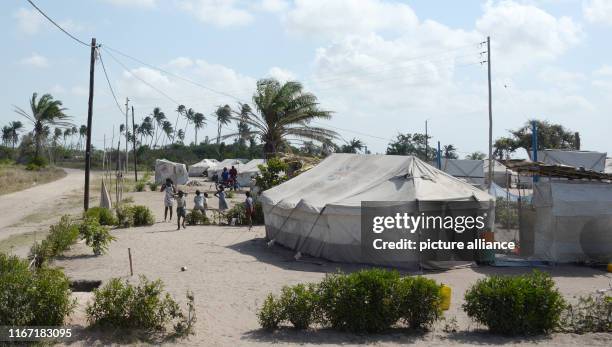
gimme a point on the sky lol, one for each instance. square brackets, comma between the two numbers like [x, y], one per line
[383, 67]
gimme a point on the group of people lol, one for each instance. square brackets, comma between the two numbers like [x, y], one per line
[229, 178]
[200, 202]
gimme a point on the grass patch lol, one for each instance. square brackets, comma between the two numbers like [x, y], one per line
[14, 178]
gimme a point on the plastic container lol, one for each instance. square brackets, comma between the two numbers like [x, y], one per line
[446, 292]
[609, 267]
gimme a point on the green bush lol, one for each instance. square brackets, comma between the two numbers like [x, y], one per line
[103, 215]
[271, 313]
[299, 304]
[61, 236]
[153, 186]
[125, 216]
[271, 174]
[506, 213]
[591, 314]
[419, 301]
[238, 211]
[40, 297]
[96, 236]
[142, 215]
[515, 305]
[36, 163]
[196, 217]
[139, 186]
[360, 302]
[146, 307]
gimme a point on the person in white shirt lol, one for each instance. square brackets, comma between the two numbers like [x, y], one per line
[181, 209]
[200, 202]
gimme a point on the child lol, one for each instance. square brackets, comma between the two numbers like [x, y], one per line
[221, 195]
[181, 209]
[169, 190]
[200, 202]
[250, 209]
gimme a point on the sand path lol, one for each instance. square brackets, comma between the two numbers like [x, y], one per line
[18, 205]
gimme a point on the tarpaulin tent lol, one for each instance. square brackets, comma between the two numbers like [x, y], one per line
[246, 172]
[608, 168]
[471, 171]
[501, 175]
[319, 212]
[198, 169]
[594, 161]
[167, 169]
[572, 221]
[228, 163]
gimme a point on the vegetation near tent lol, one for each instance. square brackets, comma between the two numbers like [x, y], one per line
[476, 156]
[550, 136]
[412, 144]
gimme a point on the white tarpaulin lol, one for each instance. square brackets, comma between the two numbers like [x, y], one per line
[319, 211]
[593, 161]
[471, 171]
[501, 176]
[573, 221]
[227, 163]
[167, 169]
[248, 171]
[608, 168]
[198, 169]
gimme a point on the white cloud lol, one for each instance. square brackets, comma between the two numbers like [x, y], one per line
[561, 78]
[220, 13]
[281, 74]
[28, 21]
[133, 3]
[35, 60]
[181, 63]
[274, 5]
[598, 11]
[604, 71]
[79, 91]
[338, 18]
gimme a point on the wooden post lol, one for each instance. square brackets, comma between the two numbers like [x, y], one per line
[134, 146]
[130, 256]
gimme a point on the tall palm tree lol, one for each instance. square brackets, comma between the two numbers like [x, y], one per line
[83, 133]
[353, 146]
[181, 136]
[44, 112]
[73, 132]
[243, 127]
[6, 135]
[168, 130]
[198, 123]
[188, 114]
[179, 112]
[67, 133]
[159, 117]
[224, 116]
[285, 111]
[450, 152]
[146, 128]
[15, 128]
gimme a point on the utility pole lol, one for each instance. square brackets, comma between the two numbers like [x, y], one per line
[134, 145]
[490, 173]
[426, 141]
[126, 134]
[92, 65]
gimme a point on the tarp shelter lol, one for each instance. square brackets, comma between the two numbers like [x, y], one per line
[248, 171]
[319, 212]
[470, 171]
[571, 222]
[228, 163]
[198, 169]
[167, 169]
[594, 161]
[501, 175]
[608, 168]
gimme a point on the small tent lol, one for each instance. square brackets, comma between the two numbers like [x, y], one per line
[167, 169]
[198, 169]
[319, 212]
[594, 161]
[608, 168]
[248, 171]
[228, 163]
[470, 171]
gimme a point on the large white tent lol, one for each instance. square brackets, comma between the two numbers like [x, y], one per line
[246, 172]
[594, 161]
[608, 168]
[572, 222]
[471, 171]
[228, 163]
[177, 172]
[199, 168]
[319, 212]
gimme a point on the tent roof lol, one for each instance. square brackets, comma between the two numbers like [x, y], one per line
[205, 163]
[588, 159]
[348, 179]
[463, 167]
[251, 166]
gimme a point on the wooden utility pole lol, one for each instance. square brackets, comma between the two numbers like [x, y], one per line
[490, 173]
[126, 134]
[426, 141]
[92, 64]
[134, 145]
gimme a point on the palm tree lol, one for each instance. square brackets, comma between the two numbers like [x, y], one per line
[167, 129]
[179, 112]
[45, 112]
[6, 135]
[450, 152]
[73, 132]
[224, 116]
[67, 133]
[159, 118]
[146, 128]
[243, 127]
[353, 146]
[15, 128]
[83, 133]
[198, 123]
[189, 117]
[181, 135]
[284, 111]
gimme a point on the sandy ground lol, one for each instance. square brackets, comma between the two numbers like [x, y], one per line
[230, 270]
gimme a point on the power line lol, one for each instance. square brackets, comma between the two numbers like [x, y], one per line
[57, 25]
[109, 83]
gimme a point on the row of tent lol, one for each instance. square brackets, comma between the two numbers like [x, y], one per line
[179, 174]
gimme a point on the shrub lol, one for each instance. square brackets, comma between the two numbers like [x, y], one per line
[125, 216]
[419, 301]
[238, 211]
[146, 307]
[153, 186]
[40, 297]
[139, 186]
[526, 305]
[271, 313]
[196, 217]
[360, 302]
[591, 314]
[61, 236]
[142, 215]
[36, 163]
[103, 215]
[96, 236]
[299, 304]
[271, 174]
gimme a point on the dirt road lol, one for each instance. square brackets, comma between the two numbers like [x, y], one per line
[17, 206]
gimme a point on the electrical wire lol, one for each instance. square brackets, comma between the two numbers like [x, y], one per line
[109, 83]
[57, 25]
